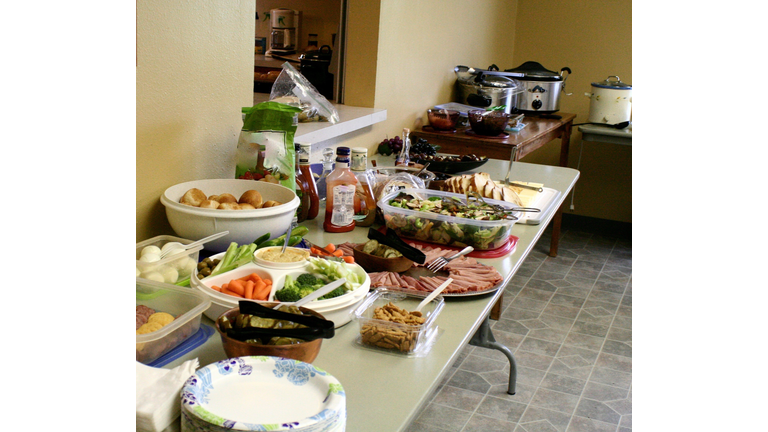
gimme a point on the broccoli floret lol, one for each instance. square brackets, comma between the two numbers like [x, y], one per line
[305, 291]
[307, 280]
[335, 293]
[288, 294]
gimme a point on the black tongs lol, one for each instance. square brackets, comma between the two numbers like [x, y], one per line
[394, 241]
[316, 327]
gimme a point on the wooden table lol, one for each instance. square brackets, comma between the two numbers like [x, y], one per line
[537, 132]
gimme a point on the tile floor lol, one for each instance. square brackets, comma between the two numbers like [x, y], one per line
[568, 321]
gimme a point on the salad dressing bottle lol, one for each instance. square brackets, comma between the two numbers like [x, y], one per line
[305, 171]
[327, 168]
[404, 158]
[301, 190]
[341, 184]
[365, 204]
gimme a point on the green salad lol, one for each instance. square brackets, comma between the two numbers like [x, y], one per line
[481, 236]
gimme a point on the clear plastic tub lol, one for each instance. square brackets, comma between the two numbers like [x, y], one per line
[172, 269]
[443, 229]
[395, 336]
[185, 304]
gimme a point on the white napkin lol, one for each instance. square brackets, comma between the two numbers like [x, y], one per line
[157, 394]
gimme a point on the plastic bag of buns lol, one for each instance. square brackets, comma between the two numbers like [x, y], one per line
[265, 149]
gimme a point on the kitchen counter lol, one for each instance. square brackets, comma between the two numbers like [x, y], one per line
[350, 119]
[386, 391]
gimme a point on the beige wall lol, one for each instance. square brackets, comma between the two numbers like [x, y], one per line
[194, 72]
[594, 39]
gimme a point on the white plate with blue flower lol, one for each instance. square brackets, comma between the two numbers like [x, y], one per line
[265, 393]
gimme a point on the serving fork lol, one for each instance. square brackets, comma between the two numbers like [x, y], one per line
[438, 263]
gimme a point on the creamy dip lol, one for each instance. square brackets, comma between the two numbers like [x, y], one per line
[290, 255]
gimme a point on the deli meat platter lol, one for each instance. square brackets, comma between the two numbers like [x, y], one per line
[470, 277]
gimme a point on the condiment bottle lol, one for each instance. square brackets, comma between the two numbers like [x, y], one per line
[327, 168]
[365, 204]
[306, 172]
[404, 158]
[301, 190]
[340, 195]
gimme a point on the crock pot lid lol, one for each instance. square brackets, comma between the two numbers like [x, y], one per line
[533, 69]
[484, 80]
[613, 84]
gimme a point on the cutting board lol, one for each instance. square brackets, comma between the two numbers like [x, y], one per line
[545, 201]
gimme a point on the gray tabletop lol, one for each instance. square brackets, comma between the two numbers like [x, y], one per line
[598, 133]
[386, 391]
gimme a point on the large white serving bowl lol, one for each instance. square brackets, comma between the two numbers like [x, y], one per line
[244, 226]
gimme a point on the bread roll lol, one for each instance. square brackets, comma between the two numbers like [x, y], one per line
[193, 197]
[229, 206]
[246, 206]
[271, 203]
[210, 204]
[251, 197]
[227, 198]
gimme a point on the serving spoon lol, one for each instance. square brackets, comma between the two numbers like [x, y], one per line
[317, 293]
[183, 247]
[433, 294]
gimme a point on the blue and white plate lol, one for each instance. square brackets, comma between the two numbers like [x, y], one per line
[260, 393]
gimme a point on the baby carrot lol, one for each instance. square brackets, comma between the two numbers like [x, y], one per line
[254, 277]
[263, 293]
[330, 248]
[348, 259]
[232, 293]
[338, 253]
[237, 286]
[216, 288]
[248, 289]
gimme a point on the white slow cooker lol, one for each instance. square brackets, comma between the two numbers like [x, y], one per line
[611, 102]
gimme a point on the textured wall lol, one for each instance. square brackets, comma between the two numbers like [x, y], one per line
[194, 73]
[594, 39]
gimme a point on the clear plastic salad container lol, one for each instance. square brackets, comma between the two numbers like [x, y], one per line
[443, 229]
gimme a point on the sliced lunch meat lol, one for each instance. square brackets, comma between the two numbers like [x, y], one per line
[468, 275]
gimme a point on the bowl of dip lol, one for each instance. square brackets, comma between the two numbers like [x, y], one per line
[273, 257]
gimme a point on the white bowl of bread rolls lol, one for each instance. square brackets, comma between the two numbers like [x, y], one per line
[247, 209]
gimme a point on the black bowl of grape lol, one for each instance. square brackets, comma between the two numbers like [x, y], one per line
[450, 164]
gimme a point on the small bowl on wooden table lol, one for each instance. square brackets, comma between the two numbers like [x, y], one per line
[372, 263]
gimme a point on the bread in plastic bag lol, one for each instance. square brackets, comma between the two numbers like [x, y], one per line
[292, 88]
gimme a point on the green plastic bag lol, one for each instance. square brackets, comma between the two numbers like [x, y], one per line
[265, 149]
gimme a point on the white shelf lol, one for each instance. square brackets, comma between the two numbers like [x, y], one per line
[350, 119]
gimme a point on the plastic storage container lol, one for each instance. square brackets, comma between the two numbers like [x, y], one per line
[172, 269]
[395, 336]
[444, 229]
[185, 304]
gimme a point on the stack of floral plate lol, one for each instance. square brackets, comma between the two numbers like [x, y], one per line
[262, 393]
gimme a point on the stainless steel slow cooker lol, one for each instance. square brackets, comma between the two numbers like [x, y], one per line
[541, 88]
[487, 89]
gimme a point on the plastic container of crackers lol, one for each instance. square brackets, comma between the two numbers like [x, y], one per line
[388, 320]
